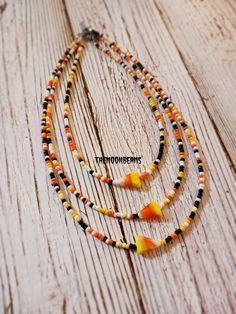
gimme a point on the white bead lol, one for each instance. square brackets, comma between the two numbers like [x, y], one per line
[118, 182]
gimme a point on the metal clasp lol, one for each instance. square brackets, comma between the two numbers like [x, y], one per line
[90, 34]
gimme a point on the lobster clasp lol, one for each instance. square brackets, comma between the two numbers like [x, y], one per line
[90, 34]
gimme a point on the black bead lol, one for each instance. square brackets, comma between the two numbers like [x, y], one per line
[140, 66]
[200, 193]
[178, 231]
[133, 246]
[104, 239]
[196, 204]
[177, 184]
[192, 215]
[168, 239]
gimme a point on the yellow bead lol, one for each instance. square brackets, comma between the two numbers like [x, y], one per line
[74, 213]
[125, 215]
[127, 246]
[120, 244]
[163, 242]
[183, 227]
[102, 210]
[152, 168]
[165, 202]
[188, 220]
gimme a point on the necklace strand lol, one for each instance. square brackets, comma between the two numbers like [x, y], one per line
[142, 244]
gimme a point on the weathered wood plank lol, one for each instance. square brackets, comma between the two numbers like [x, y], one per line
[204, 34]
[47, 263]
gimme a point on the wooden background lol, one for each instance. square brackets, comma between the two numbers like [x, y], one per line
[47, 264]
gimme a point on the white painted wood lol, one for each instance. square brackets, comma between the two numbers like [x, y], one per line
[47, 264]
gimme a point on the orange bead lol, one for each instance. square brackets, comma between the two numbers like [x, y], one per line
[144, 175]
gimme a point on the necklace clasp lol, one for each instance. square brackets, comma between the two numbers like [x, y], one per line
[90, 34]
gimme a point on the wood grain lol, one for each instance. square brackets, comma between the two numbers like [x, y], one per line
[47, 264]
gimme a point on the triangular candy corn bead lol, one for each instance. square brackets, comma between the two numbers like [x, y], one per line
[151, 211]
[132, 180]
[144, 244]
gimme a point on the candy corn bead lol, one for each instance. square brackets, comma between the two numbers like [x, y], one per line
[151, 211]
[132, 180]
[144, 244]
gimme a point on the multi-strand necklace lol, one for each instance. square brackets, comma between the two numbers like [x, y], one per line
[159, 103]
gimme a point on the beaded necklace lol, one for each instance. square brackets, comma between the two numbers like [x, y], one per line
[155, 96]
